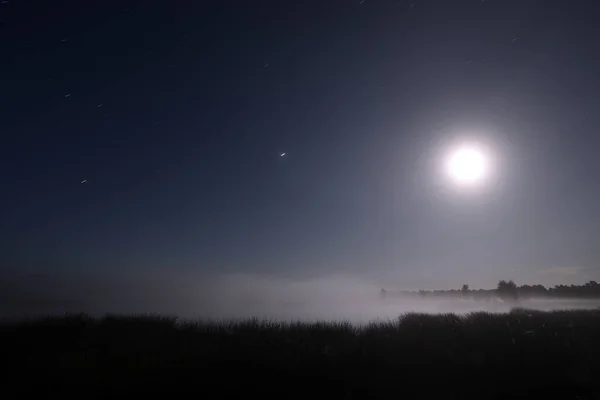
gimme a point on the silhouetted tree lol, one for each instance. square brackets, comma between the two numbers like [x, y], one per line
[383, 294]
[464, 291]
[507, 291]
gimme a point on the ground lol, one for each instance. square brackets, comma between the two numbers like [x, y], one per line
[481, 355]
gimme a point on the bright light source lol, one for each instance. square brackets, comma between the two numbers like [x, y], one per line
[467, 165]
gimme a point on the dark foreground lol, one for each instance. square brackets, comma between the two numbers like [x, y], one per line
[523, 354]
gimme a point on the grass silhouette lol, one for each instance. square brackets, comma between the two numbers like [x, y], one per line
[521, 354]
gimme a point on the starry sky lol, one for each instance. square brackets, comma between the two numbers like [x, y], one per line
[174, 115]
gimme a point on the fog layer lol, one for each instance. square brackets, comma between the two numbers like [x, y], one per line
[230, 296]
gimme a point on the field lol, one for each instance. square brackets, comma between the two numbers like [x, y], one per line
[521, 354]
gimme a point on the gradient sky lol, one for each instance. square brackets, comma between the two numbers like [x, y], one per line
[176, 113]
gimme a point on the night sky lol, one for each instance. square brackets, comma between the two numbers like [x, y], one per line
[147, 136]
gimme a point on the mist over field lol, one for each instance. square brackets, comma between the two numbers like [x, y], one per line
[233, 296]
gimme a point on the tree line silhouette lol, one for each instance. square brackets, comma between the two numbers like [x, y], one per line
[509, 291]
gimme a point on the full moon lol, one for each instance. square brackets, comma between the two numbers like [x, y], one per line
[467, 165]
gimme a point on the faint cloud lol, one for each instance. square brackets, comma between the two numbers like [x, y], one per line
[562, 271]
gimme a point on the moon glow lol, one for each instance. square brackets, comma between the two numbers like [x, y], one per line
[467, 165]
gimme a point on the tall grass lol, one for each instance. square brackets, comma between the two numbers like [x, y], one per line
[480, 355]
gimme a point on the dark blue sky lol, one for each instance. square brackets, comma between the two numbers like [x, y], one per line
[176, 114]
